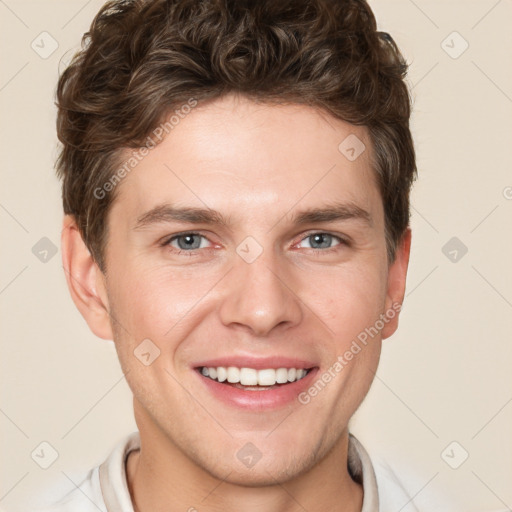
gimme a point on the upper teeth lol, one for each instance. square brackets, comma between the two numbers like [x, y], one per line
[252, 377]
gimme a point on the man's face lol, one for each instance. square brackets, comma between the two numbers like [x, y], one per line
[260, 284]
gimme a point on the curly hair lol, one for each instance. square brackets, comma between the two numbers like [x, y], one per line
[141, 59]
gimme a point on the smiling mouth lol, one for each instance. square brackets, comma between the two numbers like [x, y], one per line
[250, 379]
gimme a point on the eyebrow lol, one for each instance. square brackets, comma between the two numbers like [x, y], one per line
[168, 213]
[332, 213]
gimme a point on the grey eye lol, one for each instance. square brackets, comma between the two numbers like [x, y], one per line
[321, 241]
[189, 241]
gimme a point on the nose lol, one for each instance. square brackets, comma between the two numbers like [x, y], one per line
[259, 297]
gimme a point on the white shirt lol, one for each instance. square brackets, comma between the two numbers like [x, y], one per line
[105, 487]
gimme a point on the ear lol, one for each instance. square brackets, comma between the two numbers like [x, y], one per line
[85, 280]
[397, 274]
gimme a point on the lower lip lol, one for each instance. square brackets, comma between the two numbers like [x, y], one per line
[258, 400]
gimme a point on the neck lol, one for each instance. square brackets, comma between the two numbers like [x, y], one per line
[162, 478]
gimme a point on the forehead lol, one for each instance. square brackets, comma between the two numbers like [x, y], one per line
[244, 158]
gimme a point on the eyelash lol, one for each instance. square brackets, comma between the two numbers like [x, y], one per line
[317, 252]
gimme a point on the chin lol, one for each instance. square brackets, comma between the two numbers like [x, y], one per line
[258, 477]
[276, 468]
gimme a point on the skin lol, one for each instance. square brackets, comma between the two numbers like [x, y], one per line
[258, 165]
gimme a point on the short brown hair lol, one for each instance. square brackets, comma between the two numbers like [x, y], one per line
[141, 59]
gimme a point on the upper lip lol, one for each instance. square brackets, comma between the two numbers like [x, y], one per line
[258, 363]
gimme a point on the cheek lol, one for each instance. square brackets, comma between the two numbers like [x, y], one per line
[348, 300]
[151, 314]
[139, 307]
[159, 303]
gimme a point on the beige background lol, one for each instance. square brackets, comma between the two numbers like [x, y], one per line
[445, 376]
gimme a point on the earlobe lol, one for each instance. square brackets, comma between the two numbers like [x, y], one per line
[85, 280]
[397, 276]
